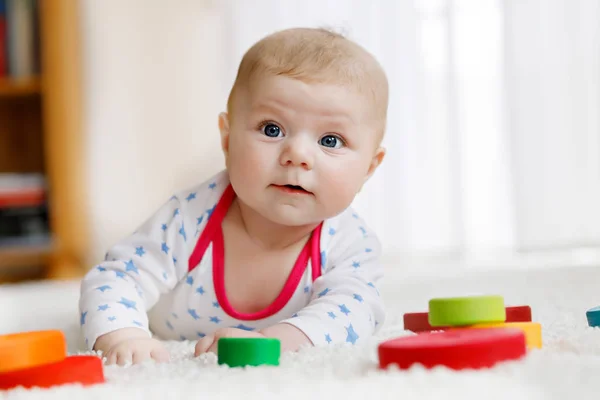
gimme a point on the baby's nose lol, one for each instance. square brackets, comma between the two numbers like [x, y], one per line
[297, 154]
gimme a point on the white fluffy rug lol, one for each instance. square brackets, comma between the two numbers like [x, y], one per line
[567, 367]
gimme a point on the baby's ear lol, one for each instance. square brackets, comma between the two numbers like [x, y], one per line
[375, 162]
[224, 129]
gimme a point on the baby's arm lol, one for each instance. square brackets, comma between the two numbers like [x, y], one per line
[116, 295]
[345, 306]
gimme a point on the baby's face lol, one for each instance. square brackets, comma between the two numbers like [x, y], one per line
[298, 153]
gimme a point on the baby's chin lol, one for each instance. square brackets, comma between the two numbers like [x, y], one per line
[291, 216]
[296, 217]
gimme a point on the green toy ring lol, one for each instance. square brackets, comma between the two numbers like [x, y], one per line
[464, 311]
[241, 352]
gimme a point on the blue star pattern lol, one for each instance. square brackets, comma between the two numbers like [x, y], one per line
[194, 314]
[344, 309]
[103, 307]
[323, 259]
[174, 260]
[199, 220]
[200, 290]
[373, 286]
[120, 274]
[244, 327]
[216, 320]
[165, 248]
[112, 318]
[363, 230]
[130, 267]
[367, 250]
[216, 304]
[295, 315]
[165, 276]
[200, 334]
[127, 303]
[355, 264]
[140, 251]
[182, 233]
[323, 293]
[175, 315]
[100, 268]
[306, 289]
[358, 297]
[211, 210]
[82, 318]
[354, 215]
[164, 227]
[327, 338]
[212, 185]
[103, 288]
[189, 280]
[138, 323]
[176, 212]
[352, 335]
[169, 325]
[332, 315]
[191, 196]
[331, 231]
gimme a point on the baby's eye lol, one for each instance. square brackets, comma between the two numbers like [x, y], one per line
[331, 141]
[271, 130]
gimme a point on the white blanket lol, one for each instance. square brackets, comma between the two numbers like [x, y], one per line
[567, 367]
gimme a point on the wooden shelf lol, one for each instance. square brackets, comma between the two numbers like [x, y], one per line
[20, 87]
[25, 256]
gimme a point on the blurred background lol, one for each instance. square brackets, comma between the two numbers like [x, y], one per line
[108, 107]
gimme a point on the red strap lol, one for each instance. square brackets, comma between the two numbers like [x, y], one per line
[213, 223]
[213, 232]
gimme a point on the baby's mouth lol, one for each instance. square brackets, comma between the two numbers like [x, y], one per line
[293, 189]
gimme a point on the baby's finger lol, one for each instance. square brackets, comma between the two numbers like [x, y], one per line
[124, 357]
[111, 358]
[214, 347]
[161, 355]
[140, 356]
[203, 344]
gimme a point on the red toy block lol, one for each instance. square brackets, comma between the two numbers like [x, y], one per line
[419, 322]
[84, 370]
[456, 349]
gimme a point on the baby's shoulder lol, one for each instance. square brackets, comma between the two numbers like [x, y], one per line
[203, 196]
[348, 235]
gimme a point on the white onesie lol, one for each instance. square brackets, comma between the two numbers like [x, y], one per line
[167, 278]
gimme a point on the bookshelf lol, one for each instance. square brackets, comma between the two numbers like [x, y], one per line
[41, 133]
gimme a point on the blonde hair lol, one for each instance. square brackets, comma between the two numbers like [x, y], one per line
[315, 55]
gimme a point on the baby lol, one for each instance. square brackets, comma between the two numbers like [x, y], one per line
[269, 247]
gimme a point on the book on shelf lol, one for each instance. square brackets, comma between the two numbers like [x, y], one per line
[19, 39]
[23, 210]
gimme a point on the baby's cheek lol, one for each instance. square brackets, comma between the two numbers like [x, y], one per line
[340, 186]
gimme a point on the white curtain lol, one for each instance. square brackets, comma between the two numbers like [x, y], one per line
[494, 130]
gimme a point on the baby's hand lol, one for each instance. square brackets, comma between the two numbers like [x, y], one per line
[130, 345]
[209, 342]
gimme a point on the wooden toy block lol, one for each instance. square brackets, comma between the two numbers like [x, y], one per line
[31, 349]
[419, 321]
[532, 331]
[83, 370]
[464, 311]
[456, 349]
[241, 352]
